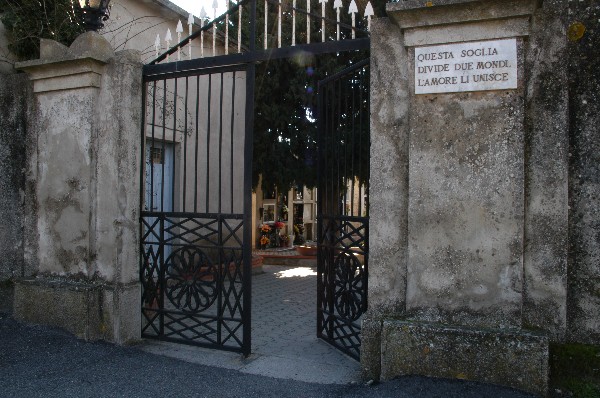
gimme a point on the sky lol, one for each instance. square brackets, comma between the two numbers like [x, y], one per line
[194, 6]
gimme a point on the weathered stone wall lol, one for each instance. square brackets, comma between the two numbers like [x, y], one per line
[7, 58]
[546, 171]
[389, 156]
[465, 210]
[485, 206]
[83, 178]
[15, 99]
[583, 63]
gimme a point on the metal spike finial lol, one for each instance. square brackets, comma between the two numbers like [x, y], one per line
[190, 22]
[337, 4]
[368, 14]
[323, 4]
[168, 39]
[353, 7]
[157, 44]
[179, 31]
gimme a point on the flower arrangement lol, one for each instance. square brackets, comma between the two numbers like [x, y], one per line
[279, 225]
[265, 229]
[264, 241]
[284, 240]
[299, 234]
[298, 229]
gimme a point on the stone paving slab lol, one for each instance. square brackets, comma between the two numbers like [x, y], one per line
[284, 342]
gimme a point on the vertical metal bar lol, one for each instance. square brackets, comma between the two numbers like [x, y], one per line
[338, 9]
[361, 132]
[307, 21]
[322, 123]
[220, 194]
[153, 141]
[335, 213]
[142, 192]
[208, 118]
[196, 148]
[294, 23]
[336, 148]
[227, 29]
[164, 128]
[353, 144]
[214, 43]
[232, 111]
[220, 281]
[184, 149]
[326, 195]
[174, 137]
[266, 23]
[346, 137]
[248, 148]
[365, 74]
[323, 4]
[279, 24]
[161, 277]
[252, 32]
[240, 28]
[201, 38]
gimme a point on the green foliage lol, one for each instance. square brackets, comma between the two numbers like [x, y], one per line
[574, 367]
[28, 21]
[285, 126]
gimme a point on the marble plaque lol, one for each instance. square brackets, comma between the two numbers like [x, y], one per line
[474, 66]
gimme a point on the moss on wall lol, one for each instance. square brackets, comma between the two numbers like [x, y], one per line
[575, 368]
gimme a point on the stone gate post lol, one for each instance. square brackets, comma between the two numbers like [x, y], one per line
[469, 198]
[84, 173]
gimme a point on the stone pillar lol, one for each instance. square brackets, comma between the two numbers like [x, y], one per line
[584, 161]
[87, 118]
[15, 100]
[469, 191]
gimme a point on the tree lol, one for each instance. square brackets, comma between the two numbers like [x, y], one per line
[28, 21]
[285, 126]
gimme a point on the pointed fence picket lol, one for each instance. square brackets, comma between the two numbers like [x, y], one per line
[276, 14]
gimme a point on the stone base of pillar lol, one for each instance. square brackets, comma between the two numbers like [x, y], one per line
[91, 311]
[514, 359]
[7, 290]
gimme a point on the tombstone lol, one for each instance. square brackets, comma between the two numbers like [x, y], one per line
[469, 200]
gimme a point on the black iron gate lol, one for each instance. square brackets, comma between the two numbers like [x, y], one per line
[343, 222]
[197, 174]
[195, 197]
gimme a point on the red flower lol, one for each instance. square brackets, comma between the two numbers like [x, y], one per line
[279, 225]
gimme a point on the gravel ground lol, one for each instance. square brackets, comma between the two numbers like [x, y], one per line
[37, 361]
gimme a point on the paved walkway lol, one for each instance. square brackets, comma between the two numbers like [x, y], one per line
[284, 342]
[37, 361]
